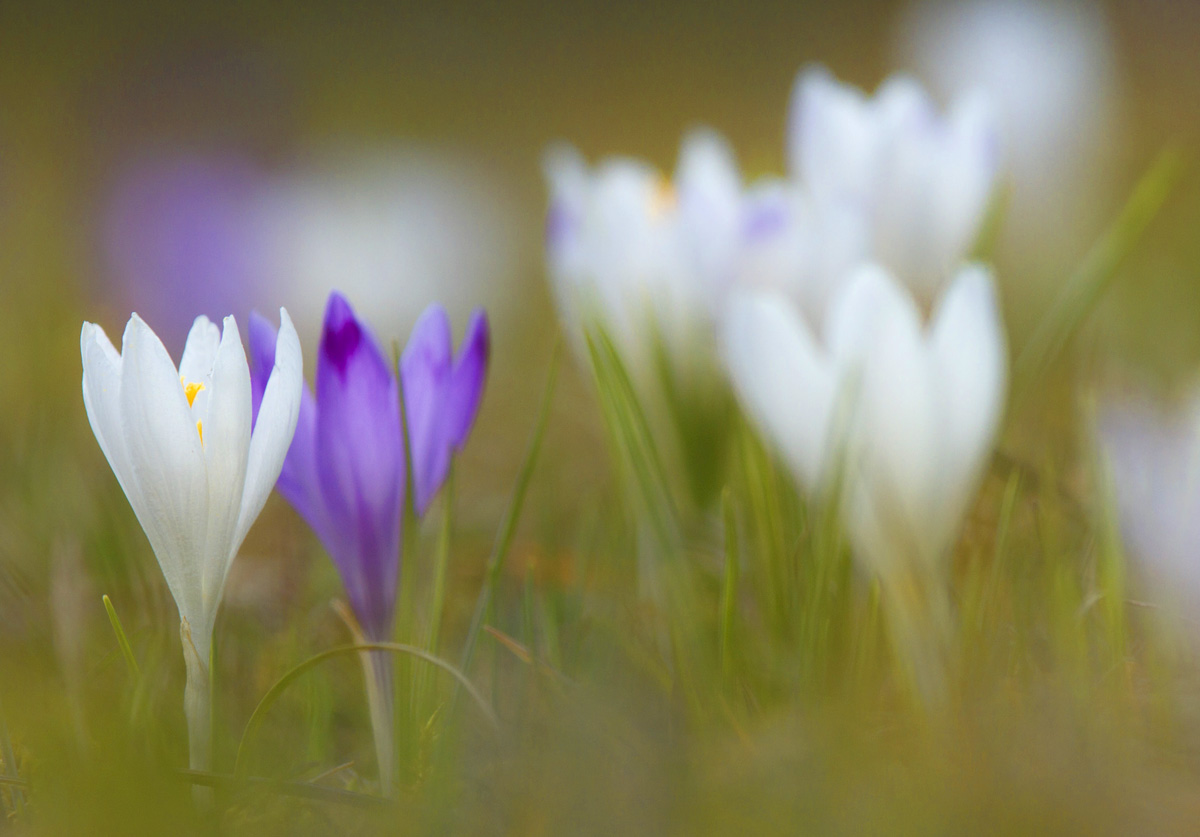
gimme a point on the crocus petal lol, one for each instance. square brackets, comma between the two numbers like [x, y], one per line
[102, 401]
[200, 351]
[896, 427]
[167, 462]
[465, 390]
[832, 142]
[710, 212]
[360, 462]
[968, 350]
[425, 369]
[262, 336]
[226, 443]
[298, 481]
[273, 429]
[781, 378]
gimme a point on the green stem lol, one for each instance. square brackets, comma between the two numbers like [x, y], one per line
[509, 526]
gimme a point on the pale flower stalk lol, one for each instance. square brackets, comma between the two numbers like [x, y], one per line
[180, 444]
[898, 414]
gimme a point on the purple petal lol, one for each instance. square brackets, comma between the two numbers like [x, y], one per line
[466, 383]
[262, 337]
[359, 463]
[425, 370]
[298, 481]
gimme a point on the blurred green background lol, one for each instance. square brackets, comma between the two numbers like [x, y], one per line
[475, 91]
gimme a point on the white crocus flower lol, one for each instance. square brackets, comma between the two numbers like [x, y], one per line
[899, 416]
[921, 180]
[1052, 69]
[908, 411]
[647, 256]
[1153, 459]
[181, 445]
[798, 246]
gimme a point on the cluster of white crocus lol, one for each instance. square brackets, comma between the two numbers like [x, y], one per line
[195, 467]
[854, 330]
[859, 338]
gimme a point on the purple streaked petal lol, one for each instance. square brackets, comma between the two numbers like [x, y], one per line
[425, 370]
[441, 395]
[359, 463]
[467, 380]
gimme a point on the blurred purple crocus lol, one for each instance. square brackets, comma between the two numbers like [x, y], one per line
[344, 472]
[179, 235]
[441, 395]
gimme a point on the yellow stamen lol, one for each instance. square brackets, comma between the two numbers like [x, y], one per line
[664, 199]
[190, 391]
[200, 430]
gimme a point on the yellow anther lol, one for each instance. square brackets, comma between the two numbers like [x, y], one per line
[190, 391]
[200, 430]
[663, 199]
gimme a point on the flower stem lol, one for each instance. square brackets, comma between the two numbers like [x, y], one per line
[918, 611]
[378, 677]
[197, 707]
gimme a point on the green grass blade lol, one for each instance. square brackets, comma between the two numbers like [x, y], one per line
[730, 584]
[122, 640]
[509, 526]
[1087, 284]
[268, 700]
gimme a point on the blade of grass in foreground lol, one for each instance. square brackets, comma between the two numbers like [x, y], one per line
[122, 640]
[729, 586]
[1087, 284]
[268, 700]
[509, 526]
[632, 437]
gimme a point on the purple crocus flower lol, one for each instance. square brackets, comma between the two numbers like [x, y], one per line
[441, 395]
[345, 471]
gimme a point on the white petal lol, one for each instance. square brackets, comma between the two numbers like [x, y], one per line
[167, 462]
[969, 352]
[710, 191]
[783, 382]
[833, 136]
[102, 401]
[200, 351]
[275, 426]
[226, 448]
[896, 415]
[885, 416]
[870, 298]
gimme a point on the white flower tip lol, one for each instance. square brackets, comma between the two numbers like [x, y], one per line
[562, 163]
[288, 354]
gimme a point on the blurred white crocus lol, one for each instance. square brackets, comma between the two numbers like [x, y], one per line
[196, 471]
[905, 414]
[921, 181]
[1153, 460]
[645, 255]
[395, 229]
[1052, 71]
[799, 246]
